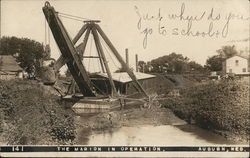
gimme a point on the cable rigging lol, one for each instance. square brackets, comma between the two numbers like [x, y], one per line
[73, 16]
[109, 54]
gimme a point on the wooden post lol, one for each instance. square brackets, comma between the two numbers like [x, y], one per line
[84, 44]
[59, 63]
[79, 34]
[98, 52]
[99, 48]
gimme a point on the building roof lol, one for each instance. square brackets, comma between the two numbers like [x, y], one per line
[123, 77]
[245, 57]
[8, 63]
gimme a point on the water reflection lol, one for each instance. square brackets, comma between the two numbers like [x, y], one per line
[204, 134]
[152, 135]
[83, 135]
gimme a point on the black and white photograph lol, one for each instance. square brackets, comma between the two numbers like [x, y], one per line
[124, 78]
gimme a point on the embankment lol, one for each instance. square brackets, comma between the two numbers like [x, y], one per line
[32, 113]
[222, 107]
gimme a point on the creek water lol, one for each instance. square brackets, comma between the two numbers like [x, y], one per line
[184, 135]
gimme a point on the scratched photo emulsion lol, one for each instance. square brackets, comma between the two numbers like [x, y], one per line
[124, 78]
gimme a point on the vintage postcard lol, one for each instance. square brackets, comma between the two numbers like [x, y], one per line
[124, 78]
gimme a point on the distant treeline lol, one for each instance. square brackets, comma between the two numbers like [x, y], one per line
[178, 64]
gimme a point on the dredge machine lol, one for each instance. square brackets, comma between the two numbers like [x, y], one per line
[73, 56]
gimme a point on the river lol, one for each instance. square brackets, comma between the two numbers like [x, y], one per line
[183, 135]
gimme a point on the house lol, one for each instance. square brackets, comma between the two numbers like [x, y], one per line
[9, 69]
[123, 83]
[238, 65]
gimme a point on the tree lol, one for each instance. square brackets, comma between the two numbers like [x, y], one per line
[214, 63]
[193, 66]
[141, 66]
[174, 63]
[27, 52]
[227, 51]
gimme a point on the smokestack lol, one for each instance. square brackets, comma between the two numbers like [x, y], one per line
[136, 62]
[127, 56]
[0, 19]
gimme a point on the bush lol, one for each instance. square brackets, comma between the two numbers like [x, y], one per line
[215, 105]
[33, 113]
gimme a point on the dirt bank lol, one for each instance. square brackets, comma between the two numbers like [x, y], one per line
[222, 107]
[130, 117]
[32, 113]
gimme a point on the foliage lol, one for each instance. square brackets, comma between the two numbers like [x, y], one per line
[227, 51]
[144, 67]
[215, 105]
[175, 63]
[192, 65]
[170, 63]
[34, 114]
[141, 65]
[27, 52]
[214, 63]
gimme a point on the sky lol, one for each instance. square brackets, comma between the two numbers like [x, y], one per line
[151, 28]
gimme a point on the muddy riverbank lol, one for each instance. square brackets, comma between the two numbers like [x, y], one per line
[128, 117]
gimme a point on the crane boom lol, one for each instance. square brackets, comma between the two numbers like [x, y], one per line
[68, 51]
[73, 59]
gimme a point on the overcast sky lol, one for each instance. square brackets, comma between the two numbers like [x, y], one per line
[129, 24]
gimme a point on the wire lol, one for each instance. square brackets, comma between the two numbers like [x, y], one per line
[74, 16]
[109, 55]
[71, 18]
[101, 41]
[48, 36]
[45, 31]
